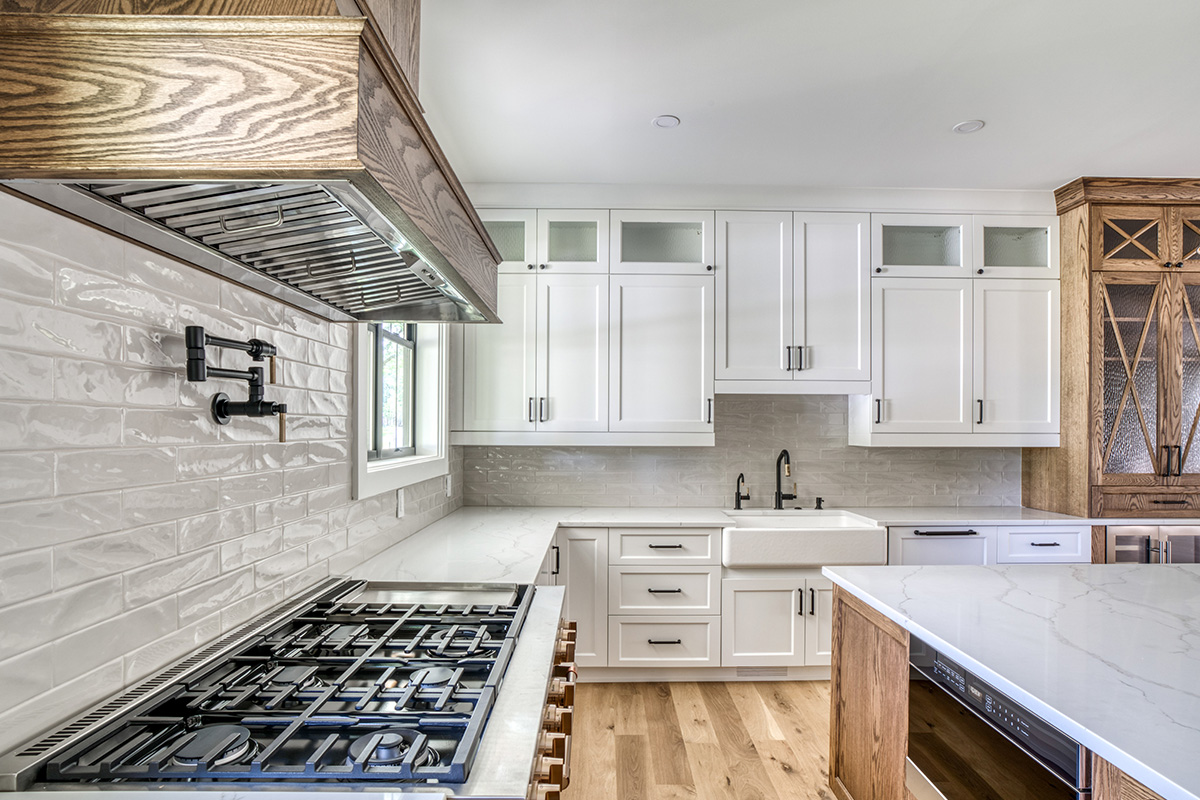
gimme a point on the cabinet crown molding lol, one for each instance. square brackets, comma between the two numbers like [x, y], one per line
[1127, 191]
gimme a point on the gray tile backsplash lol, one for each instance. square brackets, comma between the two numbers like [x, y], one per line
[132, 528]
[750, 432]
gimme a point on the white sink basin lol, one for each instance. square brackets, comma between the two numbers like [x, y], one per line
[801, 538]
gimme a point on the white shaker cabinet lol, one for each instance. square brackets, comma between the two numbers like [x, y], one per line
[942, 544]
[776, 621]
[921, 331]
[921, 245]
[514, 232]
[572, 240]
[1016, 346]
[582, 567]
[499, 361]
[546, 367]
[660, 353]
[793, 312]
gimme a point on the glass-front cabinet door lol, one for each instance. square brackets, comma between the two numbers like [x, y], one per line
[572, 240]
[921, 245]
[1130, 238]
[1153, 544]
[663, 242]
[1015, 247]
[1185, 237]
[1182, 375]
[1128, 337]
[514, 232]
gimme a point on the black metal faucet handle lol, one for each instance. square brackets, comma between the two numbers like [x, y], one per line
[260, 349]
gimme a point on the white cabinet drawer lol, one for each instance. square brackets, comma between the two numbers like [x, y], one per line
[942, 544]
[655, 590]
[664, 641]
[1043, 544]
[664, 546]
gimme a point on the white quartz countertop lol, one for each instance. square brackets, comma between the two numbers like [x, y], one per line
[981, 515]
[478, 544]
[1109, 654]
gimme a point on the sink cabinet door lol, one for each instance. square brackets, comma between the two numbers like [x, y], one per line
[763, 622]
[818, 628]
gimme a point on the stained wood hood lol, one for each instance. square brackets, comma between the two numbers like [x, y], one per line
[287, 153]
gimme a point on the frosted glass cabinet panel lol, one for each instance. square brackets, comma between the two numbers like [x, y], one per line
[572, 240]
[514, 232]
[662, 242]
[1015, 247]
[921, 245]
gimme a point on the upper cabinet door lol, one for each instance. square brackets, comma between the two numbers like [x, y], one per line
[1016, 364]
[921, 331]
[499, 360]
[831, 298]
[1184, 230]
[920, 245]
[514, 232]
[661, 360]
[1130, 238]
[1015, 247]
[572, 240]
[662, 242]
[754, 295]
[572, 353]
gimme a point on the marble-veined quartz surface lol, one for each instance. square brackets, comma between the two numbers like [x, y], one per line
[1108, 653]
[975, 515]
[487, 544]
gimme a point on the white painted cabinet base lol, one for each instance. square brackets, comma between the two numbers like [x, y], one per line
[664, 641]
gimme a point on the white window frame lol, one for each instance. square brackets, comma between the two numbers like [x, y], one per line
[431, 426]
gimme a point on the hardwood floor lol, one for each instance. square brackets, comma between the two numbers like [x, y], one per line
[724, 741]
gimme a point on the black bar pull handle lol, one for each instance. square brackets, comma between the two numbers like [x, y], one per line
[980, 420]
[812, 602]
[556, 554]
[967, 532]
[788, 349]
[878, 411]
[664, 641]
[530, 408]
[1044, 544]
[665, 591]
[543, 403]
[1178, 461]
[1169, 502]
[665, 546]
[709, 420]
[1166, 473]
[800, 602]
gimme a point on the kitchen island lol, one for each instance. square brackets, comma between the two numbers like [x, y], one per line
[1108, 654]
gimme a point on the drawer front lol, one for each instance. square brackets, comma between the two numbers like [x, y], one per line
[664, 641]
[1042, 544]
[664, 546]
[655, 590]
[1120, 502]
[942, 544]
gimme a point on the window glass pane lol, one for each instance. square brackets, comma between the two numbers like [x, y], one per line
[392, 411]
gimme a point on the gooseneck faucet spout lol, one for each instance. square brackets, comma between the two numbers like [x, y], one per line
[786, 461]
[738, 494]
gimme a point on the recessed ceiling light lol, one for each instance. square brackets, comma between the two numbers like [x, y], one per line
[970, 126]
[665, 121]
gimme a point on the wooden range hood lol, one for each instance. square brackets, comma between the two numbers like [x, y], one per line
[287, 153]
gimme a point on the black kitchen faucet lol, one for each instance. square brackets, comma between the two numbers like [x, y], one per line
[224, 409]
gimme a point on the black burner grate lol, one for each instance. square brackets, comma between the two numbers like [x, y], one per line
[339, 691]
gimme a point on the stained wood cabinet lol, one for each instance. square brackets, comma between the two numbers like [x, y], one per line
[1131, 381]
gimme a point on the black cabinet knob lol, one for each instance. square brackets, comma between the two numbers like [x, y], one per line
[529, 266]
[979, 272]
[879, 269]
[541, 266]
[709, 267]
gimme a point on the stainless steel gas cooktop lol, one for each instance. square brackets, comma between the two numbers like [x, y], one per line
[356, 683]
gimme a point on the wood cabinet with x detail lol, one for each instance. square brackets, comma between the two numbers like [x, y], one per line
[1146, 238]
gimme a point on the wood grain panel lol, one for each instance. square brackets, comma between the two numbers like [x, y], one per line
[399, 21]
[1099, 544]
[1154, 191]
[868, 731]
[397, 156]
[1110, 783]
[1165, 501]
[1058, 479]
[174, 92]
[251, 8]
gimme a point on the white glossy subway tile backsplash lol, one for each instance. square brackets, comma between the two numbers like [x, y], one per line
[132, 527]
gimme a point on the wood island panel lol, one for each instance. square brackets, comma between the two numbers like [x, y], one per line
[1110, 783]
[868, 732]
[1155, 191]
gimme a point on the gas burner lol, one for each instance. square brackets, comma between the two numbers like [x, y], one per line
[202, 741]
[431, 676]
[296, 675]
[392, 748]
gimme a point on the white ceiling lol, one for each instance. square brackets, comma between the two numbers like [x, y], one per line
[813, 93]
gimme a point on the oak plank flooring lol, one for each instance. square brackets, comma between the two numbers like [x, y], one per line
[701, 741]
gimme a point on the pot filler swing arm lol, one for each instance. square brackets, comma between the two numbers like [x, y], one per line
[223, 408]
